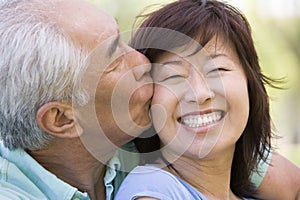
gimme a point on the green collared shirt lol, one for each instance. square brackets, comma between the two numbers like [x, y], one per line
[21, 177]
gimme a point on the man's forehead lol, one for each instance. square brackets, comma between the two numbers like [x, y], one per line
[83, 22]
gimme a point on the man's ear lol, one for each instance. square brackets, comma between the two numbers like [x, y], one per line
[57, 118]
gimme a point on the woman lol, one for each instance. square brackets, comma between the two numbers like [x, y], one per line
[210, 107]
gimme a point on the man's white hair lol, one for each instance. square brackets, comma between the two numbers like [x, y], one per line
[38, 64]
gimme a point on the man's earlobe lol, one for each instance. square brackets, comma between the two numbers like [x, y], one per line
[57, 118]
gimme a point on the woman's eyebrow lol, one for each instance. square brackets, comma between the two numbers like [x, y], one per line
[174, 62]
[215, 55]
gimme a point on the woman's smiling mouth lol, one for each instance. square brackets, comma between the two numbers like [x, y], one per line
[201, 120]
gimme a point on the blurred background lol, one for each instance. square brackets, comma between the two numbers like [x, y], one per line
[276, 31]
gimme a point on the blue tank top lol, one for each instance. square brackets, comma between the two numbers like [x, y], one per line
[154, 182]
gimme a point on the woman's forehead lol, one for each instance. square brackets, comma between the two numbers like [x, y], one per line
[214, 47]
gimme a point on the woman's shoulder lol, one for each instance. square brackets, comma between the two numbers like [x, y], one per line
[152, 181]
[152, 176]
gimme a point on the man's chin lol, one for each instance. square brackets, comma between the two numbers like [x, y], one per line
[141, 126]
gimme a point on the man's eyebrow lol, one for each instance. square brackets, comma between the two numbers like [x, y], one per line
[113, 46]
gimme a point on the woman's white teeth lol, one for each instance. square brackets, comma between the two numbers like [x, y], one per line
[195, 121]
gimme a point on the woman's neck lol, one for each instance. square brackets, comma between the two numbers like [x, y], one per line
[209, 176]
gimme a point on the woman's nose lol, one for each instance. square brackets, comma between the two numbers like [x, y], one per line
[199, 90]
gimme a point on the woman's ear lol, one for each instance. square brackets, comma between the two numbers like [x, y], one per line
[57, 118]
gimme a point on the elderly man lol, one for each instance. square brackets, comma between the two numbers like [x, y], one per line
[58, 57]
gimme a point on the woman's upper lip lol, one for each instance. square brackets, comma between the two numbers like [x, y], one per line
[201, 112]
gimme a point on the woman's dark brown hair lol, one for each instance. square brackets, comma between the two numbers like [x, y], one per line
[202, 21]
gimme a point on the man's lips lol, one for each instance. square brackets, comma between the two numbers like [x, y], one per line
[201, 120]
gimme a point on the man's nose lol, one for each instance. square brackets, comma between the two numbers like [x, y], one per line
[141, 65]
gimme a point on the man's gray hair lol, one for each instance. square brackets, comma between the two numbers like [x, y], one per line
[38, 64]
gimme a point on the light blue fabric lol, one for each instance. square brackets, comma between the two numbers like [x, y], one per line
[151, 181]
[154, 182]
[21, 177]
[122, 159]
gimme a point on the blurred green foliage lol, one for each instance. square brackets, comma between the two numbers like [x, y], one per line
[278, 43]
[277, 38]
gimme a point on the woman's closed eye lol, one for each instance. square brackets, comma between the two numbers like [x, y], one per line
[174, 76]
[170, 74]
[218, 70]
